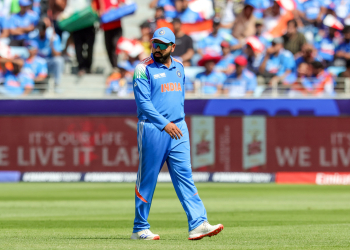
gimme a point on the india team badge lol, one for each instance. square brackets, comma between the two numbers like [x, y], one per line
[178, 73]
[161, 32]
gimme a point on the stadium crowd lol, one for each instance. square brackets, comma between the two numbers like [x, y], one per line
[228, 47]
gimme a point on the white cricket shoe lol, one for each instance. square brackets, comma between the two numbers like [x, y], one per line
[145, 235]
[205, 229]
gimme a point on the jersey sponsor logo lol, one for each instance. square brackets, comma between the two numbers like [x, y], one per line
[168, 87]
[178, 73]
[161, 75]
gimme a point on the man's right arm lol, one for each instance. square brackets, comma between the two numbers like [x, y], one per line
[142, 91]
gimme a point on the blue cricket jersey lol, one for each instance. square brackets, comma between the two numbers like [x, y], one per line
[159, 91]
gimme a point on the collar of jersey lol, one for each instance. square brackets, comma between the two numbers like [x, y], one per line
[160, 65]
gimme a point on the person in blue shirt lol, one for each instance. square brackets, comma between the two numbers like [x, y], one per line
[342, 51]
[22, 23]
[49, 45]
[308, 55]
[37, 66]
[260, 7]
[212, 43]
[259, 28]
[278, 63]
[163, 137]
[326, 44]
[242, 82]
[211, 81]
[37, 7]
[185, 14]
[120, 83]
[226, 63]
[16, 82]
[311, 11]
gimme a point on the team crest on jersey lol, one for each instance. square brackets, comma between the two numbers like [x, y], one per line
[178, 73]
[161, 32]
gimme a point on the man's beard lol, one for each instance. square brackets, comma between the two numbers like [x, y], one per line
[161, 59]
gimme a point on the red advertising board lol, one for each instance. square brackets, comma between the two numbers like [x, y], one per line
[218, 144]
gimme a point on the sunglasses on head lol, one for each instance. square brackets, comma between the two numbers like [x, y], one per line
[162, 46]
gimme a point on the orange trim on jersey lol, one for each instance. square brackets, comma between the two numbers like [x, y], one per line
[177, 60]
[195, 194]
[139, 195]
[147, 61]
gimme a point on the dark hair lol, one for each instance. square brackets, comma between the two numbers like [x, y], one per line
[317, 65]
[145, 24]
[41, 25]
[346, 29]
[293, 22]
[176, 20]
[160, 8]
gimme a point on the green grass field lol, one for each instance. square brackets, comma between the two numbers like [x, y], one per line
[100, 216]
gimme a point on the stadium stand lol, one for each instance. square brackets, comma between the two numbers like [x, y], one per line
[291, 48]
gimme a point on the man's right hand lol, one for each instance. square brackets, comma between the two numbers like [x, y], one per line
[173, 131]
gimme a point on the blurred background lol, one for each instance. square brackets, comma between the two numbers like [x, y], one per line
[267, 88]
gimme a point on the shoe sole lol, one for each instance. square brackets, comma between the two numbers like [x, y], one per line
[213, 233]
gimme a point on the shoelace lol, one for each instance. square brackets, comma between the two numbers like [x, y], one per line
[206, 225]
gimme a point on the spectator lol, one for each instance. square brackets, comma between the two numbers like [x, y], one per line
[211, 81]
[212, 43]
[226, 64]
[278, 63]
[346, 73]
[112, 33]
[260, 7]
[254, 51]
[185, 14]
[242, 82]
[146, 36]
[184, 44]
[339, 8]
[245, 22]
[326, 44]
[303, 84]
[120, 83]
[167, 5]
[310, 12]
[16, 83]
[35, 65]
[308, 55]
[56, 7]
[22, 23]
[293, 40]
[259, 27]
[37, 7]
[159, 14]
[343, 50]
[50, 49]
[322, 82]
[84, 41]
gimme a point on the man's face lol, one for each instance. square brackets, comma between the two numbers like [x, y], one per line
[347, 36]
[248, 11]
[177, 26]
[161, 56]
[178, 5]
[145, 31]
[291, 29]
[159, 14]
[209, 66]
[225, 50]
[33, 52]
[249, 51]
[239, 69]
[259, 28]
[23, 9]
[216, 27]
[277, 47]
